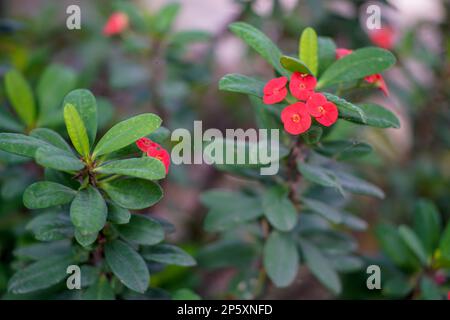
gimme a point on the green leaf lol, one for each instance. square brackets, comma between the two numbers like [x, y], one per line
[239, 83]
[133, 193]
[54, 158]
[308, 49]
[278, 209]
[185, 38]
[51, 137]
[61, 178]
[164, 18]
[266, 115]
[322, 269]
[347, 263]
[50, 227]
[326, 52]
[444, 244]
[225, 253]
[413, 243]
[185, 294]
[145, 168]
[89, 275]
[360, 63]
[294, 65]
[40, 275]
[395, 248]
[429, 290]
[84, 101]
[8, 123]
[42, 250]
[260, 43]
[101, 290]
[357, 185]
[374, 115]
[347, 110]
[20, 144]
[427, 224]
[46, 194]
[21, 97]
[88, 211]
[85, 239]
[127, 265]
[56, 81]
[229, 209]
[328, 212]
[118, 215]
[397, 287]
[343, 149]
[318, 175]
[168, 254]
[127, 132]
[281, 259]
[142, 230]
[76, 130]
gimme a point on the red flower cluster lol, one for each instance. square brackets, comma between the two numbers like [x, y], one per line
[116, 23]
[376, 79]
[297, 117]
[154, 150]
[383, 37]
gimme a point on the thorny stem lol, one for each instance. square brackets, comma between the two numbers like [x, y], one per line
[293, 173]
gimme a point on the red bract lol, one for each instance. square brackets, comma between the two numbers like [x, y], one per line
[383, 37]
[302, 85]
[296, 118]
[162, 155]
[145, 144]
[325, 112]
[275, 90]
[154, 150]
[342, 52]
[378, 81]
[116, 23]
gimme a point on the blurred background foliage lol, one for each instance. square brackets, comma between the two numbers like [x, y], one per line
[169, 61]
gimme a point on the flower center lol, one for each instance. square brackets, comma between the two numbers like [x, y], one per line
[302, 86]
[296, 118]
[321, 109]
[159, 158]
[276, 91]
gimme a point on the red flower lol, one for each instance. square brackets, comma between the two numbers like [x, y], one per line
[162, 155]
[275, 90]
[154, 150]
[296, 118]
[383, 37]
[325, 112]
[145, 144]
[116, 23]
[378, 81]
[302, 85]
[342, 52]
